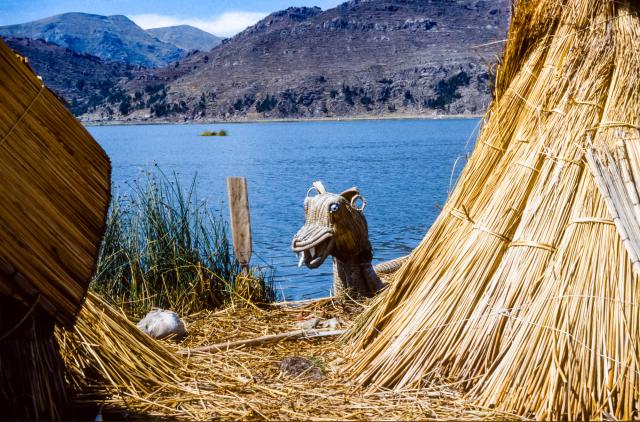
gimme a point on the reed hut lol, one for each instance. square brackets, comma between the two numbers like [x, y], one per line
[55, 193]
[524, 290]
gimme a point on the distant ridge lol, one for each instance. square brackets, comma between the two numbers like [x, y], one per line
[114, 38]
[186, 37]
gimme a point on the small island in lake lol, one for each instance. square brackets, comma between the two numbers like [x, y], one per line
[222, 132]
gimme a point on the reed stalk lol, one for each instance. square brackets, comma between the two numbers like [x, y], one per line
[165, 248]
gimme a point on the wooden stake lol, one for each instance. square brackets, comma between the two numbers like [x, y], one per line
[240, 220]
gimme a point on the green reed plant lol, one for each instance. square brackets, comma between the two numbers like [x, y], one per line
[165, 248]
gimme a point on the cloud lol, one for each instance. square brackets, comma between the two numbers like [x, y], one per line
[224, 25]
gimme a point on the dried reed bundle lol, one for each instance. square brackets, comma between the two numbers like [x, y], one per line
[106, 353]
[616, 183]
[483, 299]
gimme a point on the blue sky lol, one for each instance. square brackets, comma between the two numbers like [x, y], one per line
[220, 17]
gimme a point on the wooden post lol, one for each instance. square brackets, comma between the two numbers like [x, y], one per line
[240, 220]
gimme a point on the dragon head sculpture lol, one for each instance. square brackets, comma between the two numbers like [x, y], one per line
[335, 225]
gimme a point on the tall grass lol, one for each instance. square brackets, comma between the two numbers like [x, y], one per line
[165, 248]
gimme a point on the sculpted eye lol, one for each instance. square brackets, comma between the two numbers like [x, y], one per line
[333, 208]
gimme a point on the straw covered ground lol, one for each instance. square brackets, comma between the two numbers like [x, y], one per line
[245, 383]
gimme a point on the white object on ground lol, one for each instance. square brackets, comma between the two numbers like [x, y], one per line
[331, 324]
[160, 323]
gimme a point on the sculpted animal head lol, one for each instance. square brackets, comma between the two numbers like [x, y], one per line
[334, 225]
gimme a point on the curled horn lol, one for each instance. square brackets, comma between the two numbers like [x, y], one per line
[318, 187]
[355, 199]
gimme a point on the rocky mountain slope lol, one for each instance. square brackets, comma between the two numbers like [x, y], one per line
[186, 37]
[362, 58]
[84, 81]
[113, 38]
[375, 57]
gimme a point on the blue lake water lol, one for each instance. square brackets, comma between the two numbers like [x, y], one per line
[404, 169]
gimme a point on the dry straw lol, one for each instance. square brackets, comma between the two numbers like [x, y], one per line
[141, 379]
[522, 290]
[614, 176]
[105, 351]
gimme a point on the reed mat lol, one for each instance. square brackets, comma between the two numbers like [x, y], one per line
[55, 193]
[248, 384]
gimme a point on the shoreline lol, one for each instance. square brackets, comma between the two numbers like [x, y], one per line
[92, 123]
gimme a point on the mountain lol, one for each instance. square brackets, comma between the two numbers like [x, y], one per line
[84, 81]
[113, 38]
[186, 37]
[373, 58]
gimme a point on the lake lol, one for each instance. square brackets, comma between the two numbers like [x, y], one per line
[404, 169]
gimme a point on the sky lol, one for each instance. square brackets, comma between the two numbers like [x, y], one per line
[220, 17]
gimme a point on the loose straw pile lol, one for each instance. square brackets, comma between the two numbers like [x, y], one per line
[138, 378]
[522, 290]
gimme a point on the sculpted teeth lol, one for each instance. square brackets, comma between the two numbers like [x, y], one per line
[312, 251]
[301, 261]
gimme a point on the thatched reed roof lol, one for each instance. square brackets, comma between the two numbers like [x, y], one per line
[55, 193]
[522, 290]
